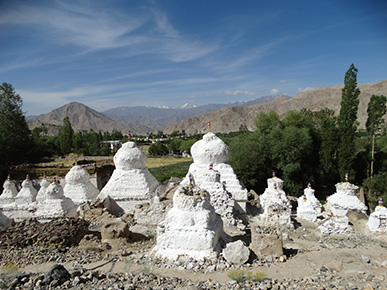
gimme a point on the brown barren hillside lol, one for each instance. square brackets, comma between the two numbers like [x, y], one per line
[230, 119]
[82, 118]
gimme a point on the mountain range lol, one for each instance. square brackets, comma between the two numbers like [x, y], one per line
[138, 120]
[141, 120]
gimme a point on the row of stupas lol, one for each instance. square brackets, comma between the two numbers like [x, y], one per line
[131, 184]
[52, 200]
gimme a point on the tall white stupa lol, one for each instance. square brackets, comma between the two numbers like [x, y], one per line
[131, 182]
[212, 151]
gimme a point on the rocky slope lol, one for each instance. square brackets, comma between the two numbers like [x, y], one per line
[230, 119]
[84, 118]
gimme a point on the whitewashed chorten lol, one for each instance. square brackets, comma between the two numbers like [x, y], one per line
[309, 207]
[212, 151]
[9, 191]
[276, 206]
[377, 222]
[27, 194]
[78, 186]
[131, 182]
[55, 204]
[191, 228]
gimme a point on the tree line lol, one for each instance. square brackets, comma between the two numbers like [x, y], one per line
[304, 147]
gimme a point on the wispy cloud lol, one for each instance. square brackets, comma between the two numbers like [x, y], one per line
[239, 92]
[138, 32]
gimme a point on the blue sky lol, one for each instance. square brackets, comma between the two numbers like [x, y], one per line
[107, 54]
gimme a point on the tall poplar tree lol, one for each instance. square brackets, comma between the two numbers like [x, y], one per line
[347, 122]
[376, 110]
[65, 136]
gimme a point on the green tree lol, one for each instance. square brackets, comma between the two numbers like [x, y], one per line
[65, 136]
[249, 161]
[291, 152]
[158, 149]
[15, 141]
[266, 122]
[347, 123]
[376, 110]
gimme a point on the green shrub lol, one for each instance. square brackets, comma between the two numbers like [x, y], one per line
[259, 277]
[239, 275]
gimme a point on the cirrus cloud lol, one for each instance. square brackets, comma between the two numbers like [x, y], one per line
[239, 92]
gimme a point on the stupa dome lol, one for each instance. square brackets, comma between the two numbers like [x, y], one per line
[210, 149]
[129, 156]
[77, 175]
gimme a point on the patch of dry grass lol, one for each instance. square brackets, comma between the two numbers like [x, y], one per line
[163, 161]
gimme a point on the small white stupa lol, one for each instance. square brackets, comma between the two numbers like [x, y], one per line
[131, 182]
[78, 186]
[377, 222]
[191, 228]
[276, 206]
[309, 206]
[9, 192]
[338, 205]
[345, 199]
[44, 183]
[24, 205]
[55, 204]
[211, 150]
[27, 194]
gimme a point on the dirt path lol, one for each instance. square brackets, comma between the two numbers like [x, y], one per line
[349, 262]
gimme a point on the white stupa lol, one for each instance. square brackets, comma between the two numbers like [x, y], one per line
[24, 205]
[338, 205]
[377, 222]
[78, 186]
[131, 182]
[345, 199]
[55, 204]
[191, 228]
[276, 206]
[220, 198]
[212, 150]
[27, 194]
[9, 192]
[309, 207]
[44, 183]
